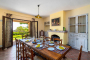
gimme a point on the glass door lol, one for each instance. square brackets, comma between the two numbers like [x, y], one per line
[7, 32]
[82, 24]
[72, 24]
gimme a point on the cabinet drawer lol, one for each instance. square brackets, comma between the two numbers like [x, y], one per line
[83, 35]
[70, 35]
[76, 35]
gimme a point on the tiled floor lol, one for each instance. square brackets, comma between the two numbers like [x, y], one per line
[10, 54]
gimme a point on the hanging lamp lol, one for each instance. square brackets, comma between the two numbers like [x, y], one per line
[38, 16]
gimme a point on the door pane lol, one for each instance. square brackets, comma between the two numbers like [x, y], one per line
[8, 32]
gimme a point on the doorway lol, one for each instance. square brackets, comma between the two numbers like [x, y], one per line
[7, 30]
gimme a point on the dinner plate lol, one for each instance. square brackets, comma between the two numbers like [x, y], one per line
[59, 48]
[40, 46]
[38, 40]
[51, 48]
[51, 44]
[39, 43]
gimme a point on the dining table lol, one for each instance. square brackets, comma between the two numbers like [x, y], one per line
[49, 54]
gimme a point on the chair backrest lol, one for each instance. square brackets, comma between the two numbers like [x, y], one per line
[25, 36]
[28, 52]
[41, 33]
[57, 39]
[80, 52]
[47, 38]
[17, 48]
[17, 43]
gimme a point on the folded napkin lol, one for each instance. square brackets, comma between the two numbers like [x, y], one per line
[61, 47]
[51, 42]
[38, 45]
[27, 40]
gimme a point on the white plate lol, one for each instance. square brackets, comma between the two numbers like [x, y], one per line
[40, 45]
[38, 40]
[59, 48]
[51, 48]
[51, 44]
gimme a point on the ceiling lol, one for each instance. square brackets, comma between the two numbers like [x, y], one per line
[46, 8]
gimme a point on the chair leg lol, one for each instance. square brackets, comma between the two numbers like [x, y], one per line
[64, 57]
[21, 58]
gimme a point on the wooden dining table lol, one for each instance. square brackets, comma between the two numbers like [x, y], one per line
[49, 55]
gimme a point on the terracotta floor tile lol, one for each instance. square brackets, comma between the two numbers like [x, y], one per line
[10, 54]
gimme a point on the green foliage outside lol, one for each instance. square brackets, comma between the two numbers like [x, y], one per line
[19, 32]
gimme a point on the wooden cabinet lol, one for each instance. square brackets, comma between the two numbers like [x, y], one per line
[78, 32]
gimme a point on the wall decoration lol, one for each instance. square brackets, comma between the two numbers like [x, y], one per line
[55, 22]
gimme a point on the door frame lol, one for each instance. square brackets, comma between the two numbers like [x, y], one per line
[3, 30]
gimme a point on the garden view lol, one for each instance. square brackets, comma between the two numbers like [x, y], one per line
[20, 30]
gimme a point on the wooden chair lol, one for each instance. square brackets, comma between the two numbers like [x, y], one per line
[17, 49]
[41, 33]
[79, 57]
[47, 38]
[25, 36]
[29, 53]
[57, 39]
[23, 51]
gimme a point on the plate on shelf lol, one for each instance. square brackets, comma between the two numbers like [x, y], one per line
[60, 47]
[51, 44]
[50, 48]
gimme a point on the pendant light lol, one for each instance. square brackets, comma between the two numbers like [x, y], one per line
[38, 16]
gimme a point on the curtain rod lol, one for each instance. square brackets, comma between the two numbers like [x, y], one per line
[19, 15]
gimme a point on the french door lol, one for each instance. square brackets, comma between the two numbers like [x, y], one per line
[7, 32]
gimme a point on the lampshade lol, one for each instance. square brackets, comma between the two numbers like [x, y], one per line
[38, 16]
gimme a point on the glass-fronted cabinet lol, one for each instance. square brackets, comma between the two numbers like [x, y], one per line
[78, 32]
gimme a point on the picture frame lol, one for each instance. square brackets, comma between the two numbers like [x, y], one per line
[55, 22]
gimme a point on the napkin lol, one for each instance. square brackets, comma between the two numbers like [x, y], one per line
[51, 41]
[38, 45]
[27, 40]
[61, 47]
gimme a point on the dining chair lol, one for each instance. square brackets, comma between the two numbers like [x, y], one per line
[41, 33]
[79, 56]
[24, 36]
[23, 55]
[80, 52]
[47, 38]
[57, 39]
[17, 49]
[29, 53]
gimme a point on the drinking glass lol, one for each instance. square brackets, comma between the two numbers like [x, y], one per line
[58, 42]
[55, 45]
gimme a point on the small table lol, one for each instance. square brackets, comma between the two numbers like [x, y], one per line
[50, 55]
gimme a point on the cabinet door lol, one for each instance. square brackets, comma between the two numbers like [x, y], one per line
[77, 43]
[83, 42]
[72, 42]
